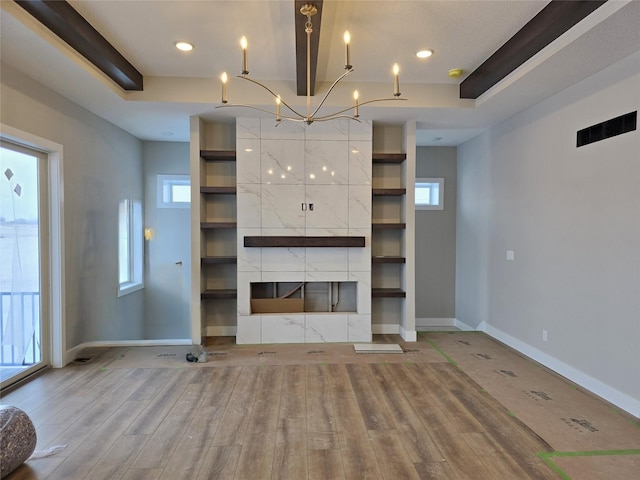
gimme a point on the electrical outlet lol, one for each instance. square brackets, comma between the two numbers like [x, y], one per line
[544, 335]
[510, 255]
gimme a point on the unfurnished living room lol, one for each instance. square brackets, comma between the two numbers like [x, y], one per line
[285, 239]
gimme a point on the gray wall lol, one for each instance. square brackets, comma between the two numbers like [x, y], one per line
[436, 237]
[167, 284]
[102, 165]
[572, 217]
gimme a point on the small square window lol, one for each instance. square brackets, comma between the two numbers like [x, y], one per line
[429, 193]
[174, 191]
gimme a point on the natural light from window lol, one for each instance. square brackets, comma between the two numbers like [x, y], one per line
[429, 193]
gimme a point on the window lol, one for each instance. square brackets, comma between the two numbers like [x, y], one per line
[130, 247]
[174, 191]
[429, 193]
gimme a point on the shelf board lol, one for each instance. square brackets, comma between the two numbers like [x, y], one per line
[210, 225]
[218, 190]
[389, 226]
[388, 260]
[218, 155]
[388, 293]
[217, 260]
[389, 157]
[274, 241]
[392, 192]
[219, 294]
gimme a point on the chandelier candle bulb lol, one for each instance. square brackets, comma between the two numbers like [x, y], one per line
[243, 44]
[396, 81]
[347, 59]
[355, 105]
[224, 79]
[278, 102]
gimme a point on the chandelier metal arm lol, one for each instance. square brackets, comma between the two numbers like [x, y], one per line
[328, 117]
[329, 91]
[272, 93]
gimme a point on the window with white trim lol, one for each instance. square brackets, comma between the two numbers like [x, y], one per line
[130, 247]
[174, 191]
[429, 193]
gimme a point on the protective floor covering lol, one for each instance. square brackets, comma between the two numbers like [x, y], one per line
[591, 438]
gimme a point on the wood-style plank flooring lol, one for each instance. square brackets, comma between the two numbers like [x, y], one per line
[298, 420]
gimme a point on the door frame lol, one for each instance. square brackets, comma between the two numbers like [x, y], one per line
[53, 305]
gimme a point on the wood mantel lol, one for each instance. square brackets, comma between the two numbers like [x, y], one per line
[274, 241]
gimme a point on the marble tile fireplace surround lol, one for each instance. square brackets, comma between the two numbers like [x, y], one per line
[307, 182]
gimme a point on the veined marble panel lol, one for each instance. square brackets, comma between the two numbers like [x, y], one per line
[284, 130]
[333, 130]
[283, 232]
[360, 258]
[326, 276]
[326, 163]
[247, 128]
[281, 206]
[364, 291]
[244, 290]
[249, 259]
[329, 202]
[283, 259]
[360, 169]
[283, 276]
[362, 130]
[327, 232]
[330, 327]
[282, 161]
[248, 161]
[283, 328]
[359, 206]
[249, 330]
[249, 203]
[327, 260]
[359, 328]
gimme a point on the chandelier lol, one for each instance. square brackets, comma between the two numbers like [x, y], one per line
[309, 117]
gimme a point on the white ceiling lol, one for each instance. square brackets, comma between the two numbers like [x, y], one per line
[463, 34]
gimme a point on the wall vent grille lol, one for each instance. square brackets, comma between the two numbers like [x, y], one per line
[610, 128]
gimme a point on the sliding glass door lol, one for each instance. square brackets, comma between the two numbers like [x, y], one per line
[23, 227]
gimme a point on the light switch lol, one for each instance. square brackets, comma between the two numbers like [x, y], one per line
[510, 255]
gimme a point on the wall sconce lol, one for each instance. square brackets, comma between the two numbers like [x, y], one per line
[148, 233]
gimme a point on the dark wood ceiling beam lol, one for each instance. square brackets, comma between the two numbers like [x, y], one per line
[301, 46]
[63, 20]
[550, 23]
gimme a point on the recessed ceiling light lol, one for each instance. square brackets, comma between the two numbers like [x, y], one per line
[424, 53]
[184, 46]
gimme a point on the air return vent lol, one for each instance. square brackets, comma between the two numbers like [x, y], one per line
[610, 128]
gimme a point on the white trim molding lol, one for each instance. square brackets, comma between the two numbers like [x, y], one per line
[620, 399]
[434, 322]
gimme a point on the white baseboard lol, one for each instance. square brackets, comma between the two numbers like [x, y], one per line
[620, 399]
[434, 322]
[223, 331]
[72, 353]
[466, 328]
[408, 335]
[386, 329]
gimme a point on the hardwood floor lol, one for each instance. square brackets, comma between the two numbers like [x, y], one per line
[299, 420]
